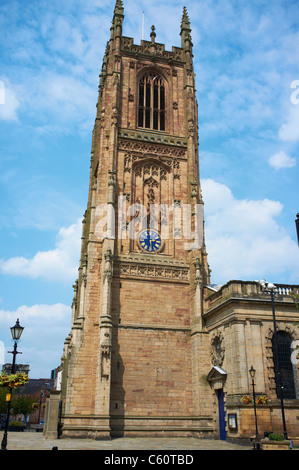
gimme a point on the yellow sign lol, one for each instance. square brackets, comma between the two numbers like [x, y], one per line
[8, 397]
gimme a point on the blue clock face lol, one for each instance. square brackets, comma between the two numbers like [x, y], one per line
[150, 241]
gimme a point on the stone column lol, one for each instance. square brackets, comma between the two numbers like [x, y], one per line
[102, 406]
[239, 357]
[51, 417]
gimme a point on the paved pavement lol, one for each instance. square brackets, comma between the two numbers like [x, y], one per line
[36, 441]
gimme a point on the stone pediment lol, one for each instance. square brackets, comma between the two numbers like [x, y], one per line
[217, 377]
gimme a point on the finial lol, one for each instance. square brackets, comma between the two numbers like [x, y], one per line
[118, 16]
[119, 9]
[185, 30]
[119, 6]
[185, 20]
[153, 34]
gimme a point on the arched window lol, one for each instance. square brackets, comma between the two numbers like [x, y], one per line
[283, 364]
[151, 111]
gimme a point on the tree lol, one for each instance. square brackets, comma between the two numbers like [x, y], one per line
[295, 297]
[3, 403]
[23, 405]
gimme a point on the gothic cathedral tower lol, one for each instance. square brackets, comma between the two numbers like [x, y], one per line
[137, 354]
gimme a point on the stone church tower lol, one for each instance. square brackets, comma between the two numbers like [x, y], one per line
[137, 354]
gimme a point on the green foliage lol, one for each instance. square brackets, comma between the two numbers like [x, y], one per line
[276, 437]
[295, 297]
[3, 404]
[13, 380]
[20, 404]
[16, 423]
[23, 404]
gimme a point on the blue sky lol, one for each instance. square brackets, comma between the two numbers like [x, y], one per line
[246, 59]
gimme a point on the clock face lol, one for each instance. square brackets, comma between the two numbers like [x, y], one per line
[150, 241]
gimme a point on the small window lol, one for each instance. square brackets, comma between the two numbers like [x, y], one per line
[151, 110]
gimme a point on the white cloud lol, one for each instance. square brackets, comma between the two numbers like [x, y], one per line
[64, 101]
[281, 160]
[34, 314]
[244, 241]
[45, 329]
[57, 265]
[289, 131]
[9, 101]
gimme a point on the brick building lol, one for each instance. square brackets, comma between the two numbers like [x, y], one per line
[153, 348]
[39, 389]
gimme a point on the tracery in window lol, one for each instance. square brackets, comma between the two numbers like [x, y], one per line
[151, 111]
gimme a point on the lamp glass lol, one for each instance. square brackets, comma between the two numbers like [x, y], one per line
[16, 331]
[252, 372]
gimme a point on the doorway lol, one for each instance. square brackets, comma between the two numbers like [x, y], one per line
[221, 411]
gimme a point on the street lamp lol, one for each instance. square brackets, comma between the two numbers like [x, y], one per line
[297, 226]
[270, 288]
[16, 332]
[252, 375]
[40, 405]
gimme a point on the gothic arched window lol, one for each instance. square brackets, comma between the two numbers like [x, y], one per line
[151, 110]
[283, 365]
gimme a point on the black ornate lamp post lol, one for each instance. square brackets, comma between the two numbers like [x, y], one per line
[297, 226]
[271, 289]
[252, 375]
[16, 332]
